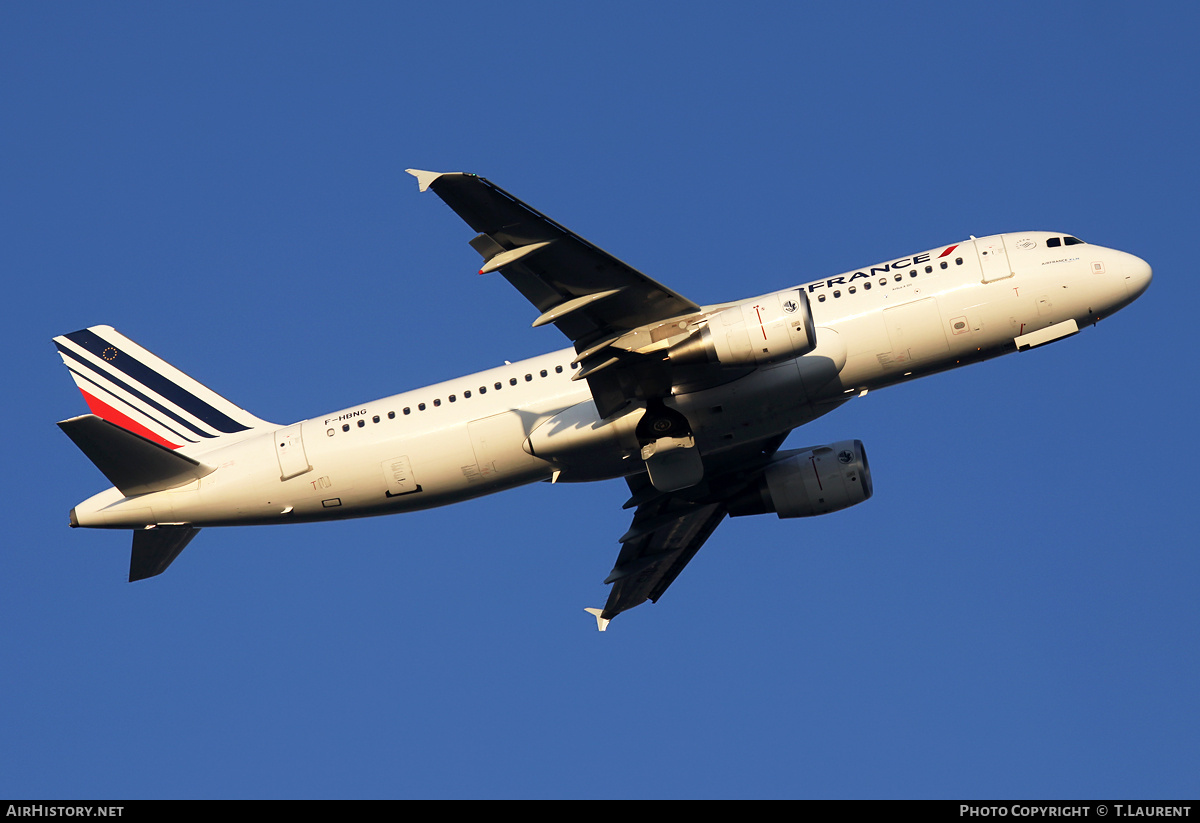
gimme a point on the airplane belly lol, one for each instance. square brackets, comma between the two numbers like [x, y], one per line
[768, 401]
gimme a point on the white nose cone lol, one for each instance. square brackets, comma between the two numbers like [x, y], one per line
[1138, 275]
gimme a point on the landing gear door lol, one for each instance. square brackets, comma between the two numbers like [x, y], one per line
[289, 448]
[993, 258]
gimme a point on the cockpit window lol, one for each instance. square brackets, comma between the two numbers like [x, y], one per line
[1055, 242]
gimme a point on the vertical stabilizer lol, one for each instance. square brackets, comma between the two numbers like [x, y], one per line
[134, 389]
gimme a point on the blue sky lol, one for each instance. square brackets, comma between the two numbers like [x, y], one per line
[1013, 614]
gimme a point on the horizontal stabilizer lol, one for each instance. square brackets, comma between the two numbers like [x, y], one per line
[132, 463]
[155, 549]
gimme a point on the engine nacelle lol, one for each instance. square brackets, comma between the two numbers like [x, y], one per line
[808, 482]
[757, 332]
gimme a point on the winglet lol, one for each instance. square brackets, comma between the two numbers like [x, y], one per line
[424, 178]
[601, 623]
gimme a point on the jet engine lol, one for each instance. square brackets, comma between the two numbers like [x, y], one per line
[808, 482]
[756, 332]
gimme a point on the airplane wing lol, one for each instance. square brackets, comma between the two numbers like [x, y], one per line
[669, 528]
[582, 289]
[591, 296]
[666, 534]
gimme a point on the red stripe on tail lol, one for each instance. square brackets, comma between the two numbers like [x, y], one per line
[107, 412]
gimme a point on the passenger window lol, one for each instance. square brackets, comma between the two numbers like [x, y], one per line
[851, 290]
[529, 378]
[820, 298]
[420, 407]
[512, 381]
[345, 427]
[543, 372]
[867, 285]
[437, 401]
[391, 415]
[407, 410]
[498, 385]
[958, 261]
[466, 394]
[928, 269]
[558, 369]
[945, 265]
[375, 419]
[362, 423]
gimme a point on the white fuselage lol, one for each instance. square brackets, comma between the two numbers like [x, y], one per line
[530, 421]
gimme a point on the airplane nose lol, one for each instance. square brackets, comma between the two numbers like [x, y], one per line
[1138, 275]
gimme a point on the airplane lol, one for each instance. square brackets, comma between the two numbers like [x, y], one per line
[690, 404]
